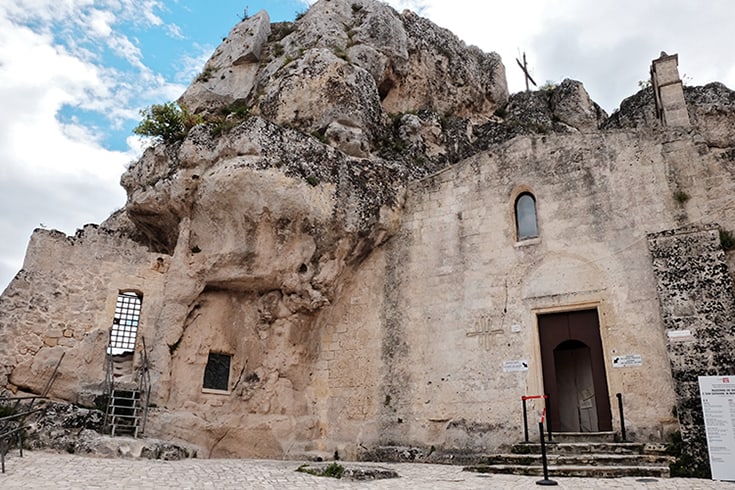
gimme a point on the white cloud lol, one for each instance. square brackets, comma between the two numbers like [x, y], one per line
[126, 49]
[51, 55]
[192, 64]
[606, 44]
[100, 22]
[174, 31]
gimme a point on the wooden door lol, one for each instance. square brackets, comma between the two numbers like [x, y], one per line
[573, 367]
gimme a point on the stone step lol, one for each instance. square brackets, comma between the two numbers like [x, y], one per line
[581, 448]
[590, 459]
[661, 471]
[582, 436]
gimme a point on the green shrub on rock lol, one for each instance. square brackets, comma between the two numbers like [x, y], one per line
[167, 122]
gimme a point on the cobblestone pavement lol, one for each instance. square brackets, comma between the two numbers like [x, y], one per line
[46, 470]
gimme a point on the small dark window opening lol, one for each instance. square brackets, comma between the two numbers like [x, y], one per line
[526, 224]
[125, 323]
[217, 372]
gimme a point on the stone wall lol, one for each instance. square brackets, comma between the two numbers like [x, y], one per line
[63, 302]
[698, 311]
[404, 345]
[464, 295]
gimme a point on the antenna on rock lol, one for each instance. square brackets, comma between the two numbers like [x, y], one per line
[524, 67]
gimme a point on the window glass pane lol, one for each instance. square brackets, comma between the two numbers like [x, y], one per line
[526, 217]
[217, 372]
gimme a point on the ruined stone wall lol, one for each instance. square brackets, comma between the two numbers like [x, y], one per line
[667, 86]
[698, 310]
[467, 294]
[63, 302]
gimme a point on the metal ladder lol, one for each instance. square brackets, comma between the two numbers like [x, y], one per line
[124, 411]
[127, 403]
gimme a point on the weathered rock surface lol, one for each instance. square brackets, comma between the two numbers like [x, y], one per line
[711, 110]
[343, 67]
[638, 110]
[74, 429]
[230, 74]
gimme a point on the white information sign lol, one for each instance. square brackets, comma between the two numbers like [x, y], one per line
[630, 360]
[679, 335]
[718, 405]
[515, 366]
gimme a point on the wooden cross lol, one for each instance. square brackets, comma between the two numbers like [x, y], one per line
[524, 67]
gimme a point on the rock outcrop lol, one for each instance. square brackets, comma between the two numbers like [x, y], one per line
[711, 109]
[343, 67]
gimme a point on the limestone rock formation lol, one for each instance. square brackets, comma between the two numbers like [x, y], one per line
[711, 109]
[339, 70]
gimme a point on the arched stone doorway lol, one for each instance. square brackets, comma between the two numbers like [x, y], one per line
[574, 371]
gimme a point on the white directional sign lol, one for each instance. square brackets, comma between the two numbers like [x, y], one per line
[630, 360]
[718, 405]
[679, 335]
[515, 366]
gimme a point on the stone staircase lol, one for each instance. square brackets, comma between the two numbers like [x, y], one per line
[582, 455]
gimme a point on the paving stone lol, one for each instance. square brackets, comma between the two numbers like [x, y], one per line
[46, 470]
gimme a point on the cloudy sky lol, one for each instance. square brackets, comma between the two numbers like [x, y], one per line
[75, 73]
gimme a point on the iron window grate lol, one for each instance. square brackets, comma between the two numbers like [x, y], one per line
[125, 323]
[217, 372]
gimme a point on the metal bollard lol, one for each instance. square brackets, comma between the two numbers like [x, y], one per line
[622, 416]
[525, 419]
[544, 462]
[548, 418]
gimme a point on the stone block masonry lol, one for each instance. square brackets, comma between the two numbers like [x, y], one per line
[698, 312]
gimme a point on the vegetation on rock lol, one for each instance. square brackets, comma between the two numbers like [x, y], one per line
[169, 122]
[333, 470]
[686, 465]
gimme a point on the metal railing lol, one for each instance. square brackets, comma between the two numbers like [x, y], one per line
[619, 396]
[144, 384]
[546, 412]
[13, 425]
[622, 417]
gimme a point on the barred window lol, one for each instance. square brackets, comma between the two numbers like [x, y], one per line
[125, 322]
[217, 372]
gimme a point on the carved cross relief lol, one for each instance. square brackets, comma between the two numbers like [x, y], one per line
[484, 330]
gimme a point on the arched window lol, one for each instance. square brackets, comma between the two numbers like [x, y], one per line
[526, 225]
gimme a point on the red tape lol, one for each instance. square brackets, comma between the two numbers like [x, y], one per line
[532, 397]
